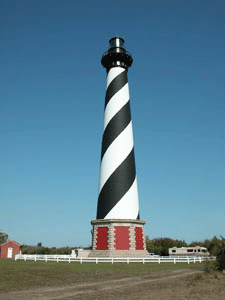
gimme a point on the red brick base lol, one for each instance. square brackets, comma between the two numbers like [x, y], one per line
[118, 238]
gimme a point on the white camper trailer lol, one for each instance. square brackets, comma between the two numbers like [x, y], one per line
[189, 251]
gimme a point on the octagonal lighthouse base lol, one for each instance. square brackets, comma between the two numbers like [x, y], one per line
[118, 238]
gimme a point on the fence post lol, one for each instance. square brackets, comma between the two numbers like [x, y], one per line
[174, 260]
[159, 260]
[57, 259]
[194, 260]
[25, 258]
[35, 258]
[112, 260]
[81, 260]
[69, 260]
[127, 260]
[188, 260]
[96, 261]
[200, 259]
[143, 260]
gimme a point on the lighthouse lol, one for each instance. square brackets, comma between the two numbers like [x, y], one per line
[117, 230]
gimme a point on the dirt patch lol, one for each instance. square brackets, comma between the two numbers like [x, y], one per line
[180, 284]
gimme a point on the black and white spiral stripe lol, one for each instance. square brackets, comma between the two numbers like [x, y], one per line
[118, 195]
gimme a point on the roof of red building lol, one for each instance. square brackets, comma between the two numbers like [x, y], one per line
[10, 241]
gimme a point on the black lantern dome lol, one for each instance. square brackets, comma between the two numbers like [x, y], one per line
[116, 56]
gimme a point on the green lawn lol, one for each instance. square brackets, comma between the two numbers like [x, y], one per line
[19, 275]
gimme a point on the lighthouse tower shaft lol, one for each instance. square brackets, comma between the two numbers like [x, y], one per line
[118, 194]
[117, 230]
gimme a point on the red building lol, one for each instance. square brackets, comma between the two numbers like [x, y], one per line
[9, 249]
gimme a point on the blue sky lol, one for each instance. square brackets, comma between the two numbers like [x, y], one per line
[52, 90]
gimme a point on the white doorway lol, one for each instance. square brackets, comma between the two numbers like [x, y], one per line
[10, 250]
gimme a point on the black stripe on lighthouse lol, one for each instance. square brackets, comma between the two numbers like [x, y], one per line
[116, 186]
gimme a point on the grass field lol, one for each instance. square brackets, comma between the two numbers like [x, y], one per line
[20, 275]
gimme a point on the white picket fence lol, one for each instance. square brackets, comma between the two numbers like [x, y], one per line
[70, 258]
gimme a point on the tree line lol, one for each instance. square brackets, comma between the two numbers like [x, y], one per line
[3, 237]
[26, 249]
[160, 246]
[39, 249]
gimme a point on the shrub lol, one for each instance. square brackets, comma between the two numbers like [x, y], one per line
[220, 259]
[161, 246]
